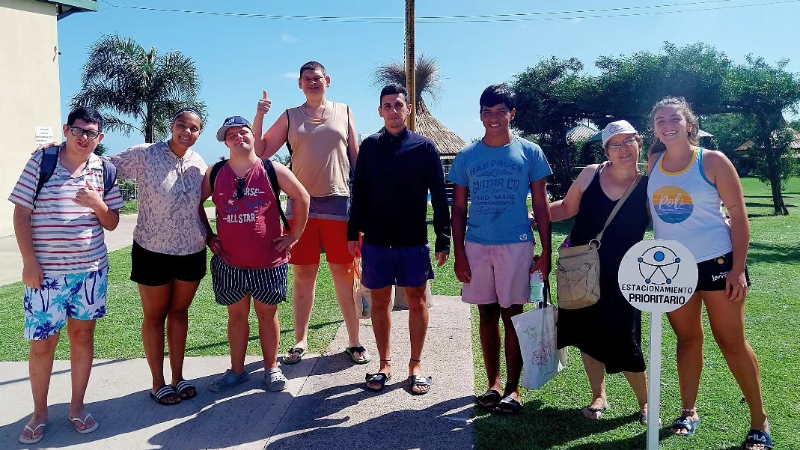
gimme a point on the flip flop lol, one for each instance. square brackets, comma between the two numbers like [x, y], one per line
[758, 437]
[33, 431]
[163, 393]
[489, 400]
[360, 349]
[83, 422]
[379, 377]
[684, 423]
[299, 351]
[423, 384]
[184, 386]
[598, 411]
[508, 406]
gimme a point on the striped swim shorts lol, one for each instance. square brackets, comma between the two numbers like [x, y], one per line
[232, 284]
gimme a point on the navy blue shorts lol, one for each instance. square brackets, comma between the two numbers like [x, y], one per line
[712, 274]
[404, 267]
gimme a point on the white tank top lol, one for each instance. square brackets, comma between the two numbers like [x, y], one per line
[686, 207]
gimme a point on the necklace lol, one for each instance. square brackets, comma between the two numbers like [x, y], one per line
[313, 119]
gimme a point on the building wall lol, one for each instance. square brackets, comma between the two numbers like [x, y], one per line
[30, 94]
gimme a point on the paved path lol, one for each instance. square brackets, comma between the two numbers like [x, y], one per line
[325, 405]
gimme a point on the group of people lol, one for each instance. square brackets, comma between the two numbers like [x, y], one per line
[371, 203]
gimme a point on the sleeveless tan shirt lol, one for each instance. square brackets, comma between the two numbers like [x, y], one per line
[319, 150]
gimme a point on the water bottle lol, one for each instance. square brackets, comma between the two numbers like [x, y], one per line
[537, 287]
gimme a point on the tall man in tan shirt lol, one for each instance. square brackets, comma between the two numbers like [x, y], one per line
[322, 140]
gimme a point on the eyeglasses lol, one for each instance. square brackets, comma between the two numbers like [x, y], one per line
[77, 131]
[627, 142]
[240, 183]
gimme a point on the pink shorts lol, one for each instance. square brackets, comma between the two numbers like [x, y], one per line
[500, 274]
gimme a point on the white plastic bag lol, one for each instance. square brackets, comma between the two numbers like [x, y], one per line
[361, 294]
[536, 331]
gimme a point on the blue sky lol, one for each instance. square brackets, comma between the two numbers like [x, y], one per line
[239, 57]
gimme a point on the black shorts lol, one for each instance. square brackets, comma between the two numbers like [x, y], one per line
[232, 284]
[157, 269]
[712, 274]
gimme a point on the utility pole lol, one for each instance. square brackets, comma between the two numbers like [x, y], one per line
[411, 80]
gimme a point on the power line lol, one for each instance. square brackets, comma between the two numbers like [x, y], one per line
[626, 11]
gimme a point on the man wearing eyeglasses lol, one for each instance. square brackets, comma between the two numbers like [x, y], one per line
[59, 219]
[251, 249]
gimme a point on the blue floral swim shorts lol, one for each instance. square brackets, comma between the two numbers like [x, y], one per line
[81, 296]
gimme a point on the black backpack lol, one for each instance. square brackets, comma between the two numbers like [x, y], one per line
[273, 180]
[48, 166]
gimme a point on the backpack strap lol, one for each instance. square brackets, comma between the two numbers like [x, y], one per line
[109, 176]
[215, 171]
[273, 180]
[46, 168]
[288, 127]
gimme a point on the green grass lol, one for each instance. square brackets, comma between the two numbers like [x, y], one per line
[552, 419]
[131, 207]
[118, 335]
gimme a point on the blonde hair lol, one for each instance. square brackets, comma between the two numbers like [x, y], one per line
[683, 106]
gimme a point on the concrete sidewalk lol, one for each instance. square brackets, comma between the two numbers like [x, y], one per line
[325, 404]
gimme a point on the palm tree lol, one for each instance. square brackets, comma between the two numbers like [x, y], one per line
[428, 83]
[123, 80]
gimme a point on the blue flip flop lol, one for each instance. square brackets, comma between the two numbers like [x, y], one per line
[758, 437]
[684, 423]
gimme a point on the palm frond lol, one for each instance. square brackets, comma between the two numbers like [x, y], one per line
[427, 76]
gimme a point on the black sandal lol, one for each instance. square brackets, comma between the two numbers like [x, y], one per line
[489, 400]
[185, 390]
[508, 406]
[380, 378]
[423, 384]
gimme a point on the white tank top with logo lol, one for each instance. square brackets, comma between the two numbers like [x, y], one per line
[686, 207]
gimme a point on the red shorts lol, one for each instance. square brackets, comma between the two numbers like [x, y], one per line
[319, 234]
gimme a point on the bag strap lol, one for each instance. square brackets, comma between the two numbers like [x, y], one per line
[618, 206]
[46, 168]
[288, 127]
[109, 176]
[273, 180]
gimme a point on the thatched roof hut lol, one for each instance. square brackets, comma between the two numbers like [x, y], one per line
[449, 143]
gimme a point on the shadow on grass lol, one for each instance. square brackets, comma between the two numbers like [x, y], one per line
[544, 428]
[769, 253]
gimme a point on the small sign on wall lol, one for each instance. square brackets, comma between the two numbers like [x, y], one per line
[43, 135]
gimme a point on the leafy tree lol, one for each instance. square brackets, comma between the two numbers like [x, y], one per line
[554, 96]
[730, 132]
[549, 102]
[766, 91]
[123, 80]
[101, 149]
[284, 159]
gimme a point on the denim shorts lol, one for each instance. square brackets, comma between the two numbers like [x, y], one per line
[80, 296]
[404, 266]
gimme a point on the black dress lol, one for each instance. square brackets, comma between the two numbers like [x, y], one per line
[609, 331]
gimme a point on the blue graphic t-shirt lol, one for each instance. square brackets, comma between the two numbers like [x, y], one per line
[499, 180]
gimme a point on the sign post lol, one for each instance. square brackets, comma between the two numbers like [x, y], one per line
[658, 277]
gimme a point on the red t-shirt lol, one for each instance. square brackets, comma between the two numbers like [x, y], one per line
[247, 226]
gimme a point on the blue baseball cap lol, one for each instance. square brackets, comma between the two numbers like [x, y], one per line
[232, 122]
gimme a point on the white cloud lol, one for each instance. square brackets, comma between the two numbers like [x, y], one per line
[291, 75]
[288, 38]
